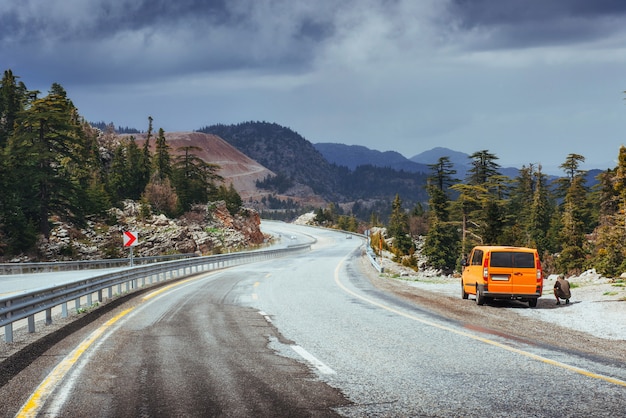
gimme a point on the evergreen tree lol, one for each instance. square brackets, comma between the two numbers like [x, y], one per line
[490, 192]
[609, 250]
[517, 231]
[572, 234]
[470, 203]
[118, 182]
[13, 98]
[145, 161]
[39, 151]
[136, 170]
[441, 174]
[230, 196]
[484, 167]
[399, 227]
[192, 177]
[541, 211]
[161, 159]
[441, 245]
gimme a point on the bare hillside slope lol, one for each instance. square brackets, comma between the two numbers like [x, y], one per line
[235, 167]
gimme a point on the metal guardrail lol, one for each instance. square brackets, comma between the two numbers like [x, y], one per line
[372, 256]
[24, 268]
[27, 305]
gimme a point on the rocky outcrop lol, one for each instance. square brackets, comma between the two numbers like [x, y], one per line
[205, 229]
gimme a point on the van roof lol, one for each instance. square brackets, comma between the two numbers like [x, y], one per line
[504, 248]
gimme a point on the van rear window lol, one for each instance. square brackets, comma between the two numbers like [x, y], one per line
[513, 259]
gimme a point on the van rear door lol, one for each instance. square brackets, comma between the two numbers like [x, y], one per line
[513, 272]
[500, 272]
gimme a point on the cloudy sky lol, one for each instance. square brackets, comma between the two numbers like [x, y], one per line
[529, 80]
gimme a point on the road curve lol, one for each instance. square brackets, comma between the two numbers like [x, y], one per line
[303, 336]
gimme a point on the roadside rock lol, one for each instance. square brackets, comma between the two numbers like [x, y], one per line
[205, 229]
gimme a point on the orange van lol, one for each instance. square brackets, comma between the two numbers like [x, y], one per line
[499, 272]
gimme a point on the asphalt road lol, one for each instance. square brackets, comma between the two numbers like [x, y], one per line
[303, 336]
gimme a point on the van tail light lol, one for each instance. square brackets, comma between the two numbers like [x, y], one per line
[538, 269]
[486, 267]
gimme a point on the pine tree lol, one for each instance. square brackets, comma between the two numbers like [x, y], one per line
[13, 98]
[484, 167]
[118, 181]
[161, 158]
[572, 235]
[441, 245]
[518, 211]
[541, 211]
[488, 189]
[136, 170]
[609, 250]
[40, 150]
[145, 160]
[441, 174]
[192, 177]
[398, 227]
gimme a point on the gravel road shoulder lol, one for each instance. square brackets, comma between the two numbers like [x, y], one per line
[593, 323]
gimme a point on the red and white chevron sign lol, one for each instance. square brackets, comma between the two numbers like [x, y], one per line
[130, 238]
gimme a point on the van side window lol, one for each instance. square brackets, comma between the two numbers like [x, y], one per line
[477, 258]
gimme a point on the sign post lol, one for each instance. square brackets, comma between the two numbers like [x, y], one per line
[130, 240]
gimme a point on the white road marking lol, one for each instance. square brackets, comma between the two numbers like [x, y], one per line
[324, 369]
[266, 316]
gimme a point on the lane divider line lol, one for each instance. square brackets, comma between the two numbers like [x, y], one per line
[255, 296]
[537, 357]
[310, 358]
[321, 367]
[266, 316]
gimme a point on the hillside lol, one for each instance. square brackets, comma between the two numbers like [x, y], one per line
[283, 151]
[288, 154]
[235, 167]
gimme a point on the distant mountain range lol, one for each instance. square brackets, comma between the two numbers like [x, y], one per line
[267, 159]
[352, 156]
[340, 172]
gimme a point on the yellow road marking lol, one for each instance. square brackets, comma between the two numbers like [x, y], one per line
[165, 288]
[475, 337]
[37, 400]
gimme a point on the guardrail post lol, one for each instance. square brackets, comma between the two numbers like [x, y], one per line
[100, 296]
[64, 310]
[89, 300]
[77, 304]
[110, 292]
[48, 316]
[31, 323]
[8, 333]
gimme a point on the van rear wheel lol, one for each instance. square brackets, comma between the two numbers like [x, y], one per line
[532, 302]
[480, 297]
[464, 294]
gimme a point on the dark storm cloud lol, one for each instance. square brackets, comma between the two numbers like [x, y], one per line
[418, 73]
[129, 41]
[524, 23]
